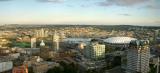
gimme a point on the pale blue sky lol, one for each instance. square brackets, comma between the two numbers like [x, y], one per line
[136, 12]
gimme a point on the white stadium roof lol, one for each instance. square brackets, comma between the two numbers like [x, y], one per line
[119, 40]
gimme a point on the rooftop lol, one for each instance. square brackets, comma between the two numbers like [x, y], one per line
[119, 40]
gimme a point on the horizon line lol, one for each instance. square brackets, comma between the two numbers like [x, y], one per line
[87, 24]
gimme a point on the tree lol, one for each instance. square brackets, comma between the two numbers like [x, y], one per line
[64, 68]
[91, 71]
[117, 61]
[30, 70]
[152, 69]
[55, 70]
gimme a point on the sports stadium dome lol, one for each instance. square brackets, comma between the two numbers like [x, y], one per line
[119, 40]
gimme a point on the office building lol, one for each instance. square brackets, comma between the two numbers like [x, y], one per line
[41, 33]
[62, 36]
[156, 35]
[138, 56]
[95, 51]
[56, 41]
[33, 42]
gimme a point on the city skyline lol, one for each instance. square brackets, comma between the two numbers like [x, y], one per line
[129, 12]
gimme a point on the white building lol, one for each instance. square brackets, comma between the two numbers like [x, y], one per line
[95, 51]
[118, 42]
[62, 36]
[42, 44]
[138, 57]
[41, 33]
[33, 42]
[6, 66]
[56, 41]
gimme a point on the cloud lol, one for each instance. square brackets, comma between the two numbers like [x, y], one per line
[157, 21]
[125, 14]
[155, 7]
[53, 1]
[84, 5]
[4, 0]
[122, 2]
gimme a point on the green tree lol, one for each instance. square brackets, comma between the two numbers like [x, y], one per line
[152, 69]
[64, 68]
[55, 70]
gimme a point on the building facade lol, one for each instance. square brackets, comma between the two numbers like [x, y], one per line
[56, 42]
[138, 56]
[95, 51]
[33, 42]
[41, 33]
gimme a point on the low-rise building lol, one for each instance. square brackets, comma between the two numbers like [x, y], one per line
[5, 64]
[40, 68]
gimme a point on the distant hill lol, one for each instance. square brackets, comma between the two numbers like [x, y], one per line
[56, 26]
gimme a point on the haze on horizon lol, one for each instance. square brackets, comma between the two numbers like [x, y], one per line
[130, 12]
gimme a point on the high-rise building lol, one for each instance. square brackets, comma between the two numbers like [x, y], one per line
[33, 42]
[62, 36]
[156, 35]
[56, 41]
[95, 51]
[41, 33]
[138, 55]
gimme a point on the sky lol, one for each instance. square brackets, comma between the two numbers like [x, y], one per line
[102, 12]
